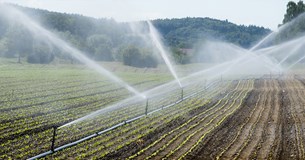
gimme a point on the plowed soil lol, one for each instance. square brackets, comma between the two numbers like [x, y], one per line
[259, 119]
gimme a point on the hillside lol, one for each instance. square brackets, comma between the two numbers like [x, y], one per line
[187, 31]
[106, 39]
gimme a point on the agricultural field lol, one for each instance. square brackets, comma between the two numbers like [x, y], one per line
[257, 118]
[83, 86]
[35, 98]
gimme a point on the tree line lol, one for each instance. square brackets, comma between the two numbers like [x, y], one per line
[107, 40]
[293, 24]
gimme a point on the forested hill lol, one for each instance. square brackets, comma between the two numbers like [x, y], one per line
[105, 39]
[182, 32]
[187, 31]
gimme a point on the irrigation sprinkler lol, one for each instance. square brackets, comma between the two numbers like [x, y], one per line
[53, 139]
[146, 108]
[182, 93]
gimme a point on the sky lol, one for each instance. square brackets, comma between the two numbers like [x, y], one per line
[266, 13]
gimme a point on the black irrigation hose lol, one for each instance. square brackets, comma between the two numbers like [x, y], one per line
[53, 150]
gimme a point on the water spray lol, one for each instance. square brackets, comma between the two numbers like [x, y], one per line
[157, 42]
[50, 37]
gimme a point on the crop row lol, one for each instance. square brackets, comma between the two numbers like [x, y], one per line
[26, 100]
[133, 132]
[128, 111]
[43, 120]
[212, 115]
[239, 130]
[18, 133]
[26, 139]
[296, 100]
[217, 124]
[181, 126]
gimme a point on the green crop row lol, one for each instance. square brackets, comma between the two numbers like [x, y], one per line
[139, 129]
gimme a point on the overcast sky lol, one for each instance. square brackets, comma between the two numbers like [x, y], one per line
[267, 13]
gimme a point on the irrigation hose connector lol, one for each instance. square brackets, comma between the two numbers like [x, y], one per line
[53, 138]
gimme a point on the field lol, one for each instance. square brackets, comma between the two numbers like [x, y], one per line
[251, 118]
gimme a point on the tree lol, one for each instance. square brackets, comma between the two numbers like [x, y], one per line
[99, 47]
[102, 39]
[133, 56]
[19, 42]
[293, 10]
[43, 54]
[297, 27]
[181, 56]
[103, 53]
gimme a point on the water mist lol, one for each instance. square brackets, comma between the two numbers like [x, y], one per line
[157, 42]
[17, 16]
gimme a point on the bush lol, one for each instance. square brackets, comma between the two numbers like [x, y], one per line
[133, 56]
[40, 58]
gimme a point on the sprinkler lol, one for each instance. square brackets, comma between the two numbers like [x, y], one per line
[181, 93]
[53, 139]
[146, 108]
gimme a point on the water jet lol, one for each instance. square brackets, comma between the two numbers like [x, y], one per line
[49, 37]
[157, 42]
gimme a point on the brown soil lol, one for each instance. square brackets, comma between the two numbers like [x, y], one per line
[273, 129]
[266, 121]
